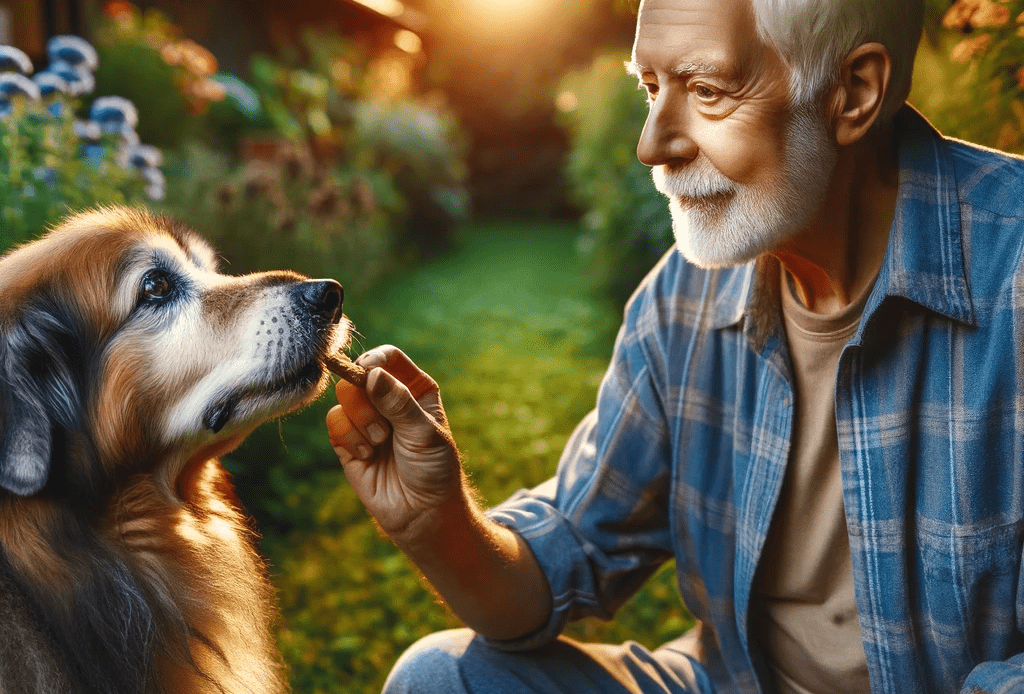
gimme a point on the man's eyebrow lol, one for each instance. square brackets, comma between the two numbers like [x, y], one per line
[686, 69]
[636, 69]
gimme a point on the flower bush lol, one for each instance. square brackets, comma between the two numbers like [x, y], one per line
[51, 162]
[174, 81]
[979, 52]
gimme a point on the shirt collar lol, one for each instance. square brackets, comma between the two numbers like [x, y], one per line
[924, 261]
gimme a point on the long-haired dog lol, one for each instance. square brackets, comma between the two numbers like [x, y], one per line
[127, 366]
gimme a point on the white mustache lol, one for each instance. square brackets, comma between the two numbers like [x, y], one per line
[697, 180]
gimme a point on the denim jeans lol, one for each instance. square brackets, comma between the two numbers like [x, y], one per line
[459, 662]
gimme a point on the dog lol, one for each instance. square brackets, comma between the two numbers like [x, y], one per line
[128, 365]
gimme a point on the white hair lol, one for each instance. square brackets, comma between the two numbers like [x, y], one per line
[720, 223]
[814, 36]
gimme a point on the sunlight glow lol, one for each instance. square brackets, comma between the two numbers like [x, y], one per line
[388, 8]
[408, 41]
[506, 15]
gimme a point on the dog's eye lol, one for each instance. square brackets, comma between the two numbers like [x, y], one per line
[156, 286]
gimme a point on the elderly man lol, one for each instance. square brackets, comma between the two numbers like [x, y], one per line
[816, 406]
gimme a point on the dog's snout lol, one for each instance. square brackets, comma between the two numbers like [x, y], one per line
[322, 298]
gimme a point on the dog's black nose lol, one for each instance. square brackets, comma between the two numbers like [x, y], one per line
[323, 298]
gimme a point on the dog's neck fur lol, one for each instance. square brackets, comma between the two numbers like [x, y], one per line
[193, 588]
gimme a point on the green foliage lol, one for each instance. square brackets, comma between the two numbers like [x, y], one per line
[627, 220]
[510, 328]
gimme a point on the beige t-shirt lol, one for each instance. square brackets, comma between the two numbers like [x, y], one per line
[807, 620]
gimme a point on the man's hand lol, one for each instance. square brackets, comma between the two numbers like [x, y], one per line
[412, 482]
[395, 445]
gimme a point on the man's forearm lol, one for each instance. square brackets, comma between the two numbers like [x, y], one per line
[484, 572]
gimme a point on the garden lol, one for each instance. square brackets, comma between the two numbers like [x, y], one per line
[322, 160]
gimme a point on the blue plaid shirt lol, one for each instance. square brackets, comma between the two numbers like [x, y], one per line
[685, 453]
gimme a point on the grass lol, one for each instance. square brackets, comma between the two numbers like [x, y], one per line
[511, 329]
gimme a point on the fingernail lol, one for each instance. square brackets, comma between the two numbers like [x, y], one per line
[376, 432]
[364, 453]
[343, 455]
[370, 359]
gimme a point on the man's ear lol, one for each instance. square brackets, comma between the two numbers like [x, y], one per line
[863, 83]
[39, 394]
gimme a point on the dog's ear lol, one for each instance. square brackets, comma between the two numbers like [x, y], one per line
[38, 396]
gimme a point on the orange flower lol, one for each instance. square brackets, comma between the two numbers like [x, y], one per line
[208, 90]
[968, 48]
[958, 16]
[171, 53]
[976, 13]
[991, 15]
[118, 8]
[197, 59]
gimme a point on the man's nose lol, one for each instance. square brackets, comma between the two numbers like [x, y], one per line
[666, 137]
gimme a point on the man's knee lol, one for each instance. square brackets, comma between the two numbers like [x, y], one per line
[431, 665]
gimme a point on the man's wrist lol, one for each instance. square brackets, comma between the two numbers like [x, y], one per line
[439, 530]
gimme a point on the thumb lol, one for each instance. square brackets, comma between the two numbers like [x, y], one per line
[393, 399]
[415, 429]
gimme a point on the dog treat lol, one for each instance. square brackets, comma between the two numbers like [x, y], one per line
[343, 366]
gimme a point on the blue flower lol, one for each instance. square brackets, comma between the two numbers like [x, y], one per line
[56, 109]
[15, 84]
[145, 156]
[80, 81]
[92, 153]
[5, 108]
[126, 134]
[113, 113]
[14, 59]
[73, 50]
[156, 184]
[50, 83]
[87, 131]
[45, 174]
[240, 94]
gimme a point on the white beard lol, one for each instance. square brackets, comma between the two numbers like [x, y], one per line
[720, 223]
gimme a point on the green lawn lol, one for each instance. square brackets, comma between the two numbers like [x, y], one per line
[511, 329]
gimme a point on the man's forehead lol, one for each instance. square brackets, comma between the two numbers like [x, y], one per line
[709, 33]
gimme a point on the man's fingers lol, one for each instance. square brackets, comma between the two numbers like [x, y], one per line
[348, 441]
[394, 400]
[398, 364]
[361, 413]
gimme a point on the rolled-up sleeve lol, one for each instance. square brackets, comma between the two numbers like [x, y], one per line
[600, 527]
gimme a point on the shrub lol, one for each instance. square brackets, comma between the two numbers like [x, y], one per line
[627, 223]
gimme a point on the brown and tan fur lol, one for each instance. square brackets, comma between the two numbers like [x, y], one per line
[126, 562]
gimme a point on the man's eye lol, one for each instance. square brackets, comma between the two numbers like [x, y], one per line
[651, 88]
[156, 286]
[705, 92]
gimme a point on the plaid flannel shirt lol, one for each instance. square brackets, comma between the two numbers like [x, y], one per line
[684, 455]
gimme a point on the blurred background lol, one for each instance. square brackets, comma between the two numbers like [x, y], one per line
[466, 168]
